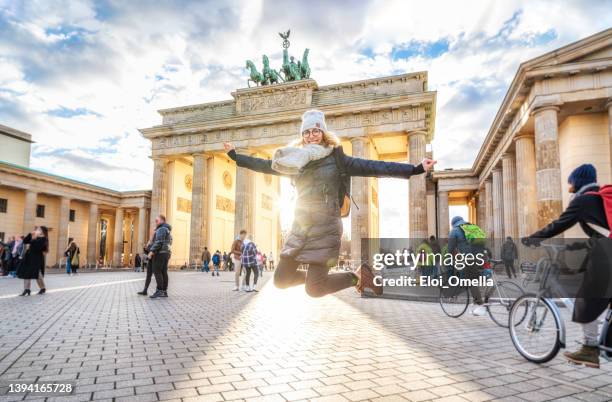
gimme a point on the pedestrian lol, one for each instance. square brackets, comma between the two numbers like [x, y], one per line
[68, 253]
[260, 264]
[33, 264]
[160, 255]
[205, 260]
[225, 261]
[18, 253]
[237, 257]
[8, 256]
[271, 261]
[321, 172]
[249, 263]
[147, 262]
[137, 262]
[586, 208]
[216, 260]
[264, 258]
[509, 253]
[75, 258]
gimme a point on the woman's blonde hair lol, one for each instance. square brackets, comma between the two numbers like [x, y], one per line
[329, 139]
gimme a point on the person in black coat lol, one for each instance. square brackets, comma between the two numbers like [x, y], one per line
[318, 168]
[33, 264]
[586, 210]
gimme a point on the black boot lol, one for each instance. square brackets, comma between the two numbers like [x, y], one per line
[143, 293]
[165, 293]
[26, 292]
[42, 291]
[158, 293]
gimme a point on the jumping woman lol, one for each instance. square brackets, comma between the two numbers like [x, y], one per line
[312, 162]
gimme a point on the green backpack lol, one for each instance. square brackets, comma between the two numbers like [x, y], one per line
[474, 234]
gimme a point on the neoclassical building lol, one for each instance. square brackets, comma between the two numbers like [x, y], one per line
[208, 200]
[109, 226]
[556, 115]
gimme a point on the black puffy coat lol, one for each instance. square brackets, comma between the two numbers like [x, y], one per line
[34, 259]
[317, 226]
[584, 209]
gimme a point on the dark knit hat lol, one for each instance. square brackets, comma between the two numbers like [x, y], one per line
[582, 175]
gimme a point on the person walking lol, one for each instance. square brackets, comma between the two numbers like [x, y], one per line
[75, 257]
[216, 260]
[18, 253]
[587, 209]
[236, 253]
[33, 264]
[271, 261]
[249, 263]
[137, 262]
[160, 255]
[509, 254]
[205, 260]
[320, 171]
[8, 256]
[68, 252]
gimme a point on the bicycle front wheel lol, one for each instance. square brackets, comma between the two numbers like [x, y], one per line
[500, 299]
[534, 328]
[454, 300]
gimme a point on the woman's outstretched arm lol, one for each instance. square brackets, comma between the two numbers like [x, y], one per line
[374, 168]
[250, 162]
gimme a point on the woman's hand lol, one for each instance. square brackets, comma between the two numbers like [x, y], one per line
[228, 146]
[428, 164]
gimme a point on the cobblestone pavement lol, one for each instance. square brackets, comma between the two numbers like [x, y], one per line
[208, 343]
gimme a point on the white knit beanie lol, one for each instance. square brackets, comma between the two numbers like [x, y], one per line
[313, 119]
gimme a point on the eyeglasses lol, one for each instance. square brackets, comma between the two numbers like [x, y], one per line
[313, 132]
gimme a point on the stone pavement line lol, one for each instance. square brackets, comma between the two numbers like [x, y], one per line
[6, 363]
[95, 285]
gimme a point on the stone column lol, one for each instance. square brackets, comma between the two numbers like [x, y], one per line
[548, 171]
[159, 191]
[609, 107]
[360, 218]
[62, 228]
[243, 219]
[498, 210]
[142, 230]
[29, 211]
[509, 188]
[443, 218]
[527, 208]
[92, 234]
[481, 209]
[198, 208]
[118, 246]
[489, 208]
[416, 187]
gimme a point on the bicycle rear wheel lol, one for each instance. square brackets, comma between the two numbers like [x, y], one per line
[499, 300]
[535, 334]
[454, 300]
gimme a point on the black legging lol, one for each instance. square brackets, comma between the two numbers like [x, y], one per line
[249, 269]
[510, 268]
[160, 269]
[149, 274]
[319, 282]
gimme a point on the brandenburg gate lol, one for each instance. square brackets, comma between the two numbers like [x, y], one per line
[208, 200]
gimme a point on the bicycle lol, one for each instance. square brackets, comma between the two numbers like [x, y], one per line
[498, 299]
[540, 334]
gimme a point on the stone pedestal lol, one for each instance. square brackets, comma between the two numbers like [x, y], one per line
[417, 187]
[527, 207]
[489, 208]
[509, 189]
[118, 245]
[159, 190]
[92, 234]
[62, 228]
[29, 211]
[548, 172]
[443, 218]
[360, 218]
[198, 208]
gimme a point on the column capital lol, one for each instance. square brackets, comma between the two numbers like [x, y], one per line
[364, 139]
[410, 133]
[543, 108]
[508, 155]
[522, 136]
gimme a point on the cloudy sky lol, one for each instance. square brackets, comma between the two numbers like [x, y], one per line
[82, 76]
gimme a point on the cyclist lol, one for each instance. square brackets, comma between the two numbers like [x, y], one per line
[587, 210]
[458, 243]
